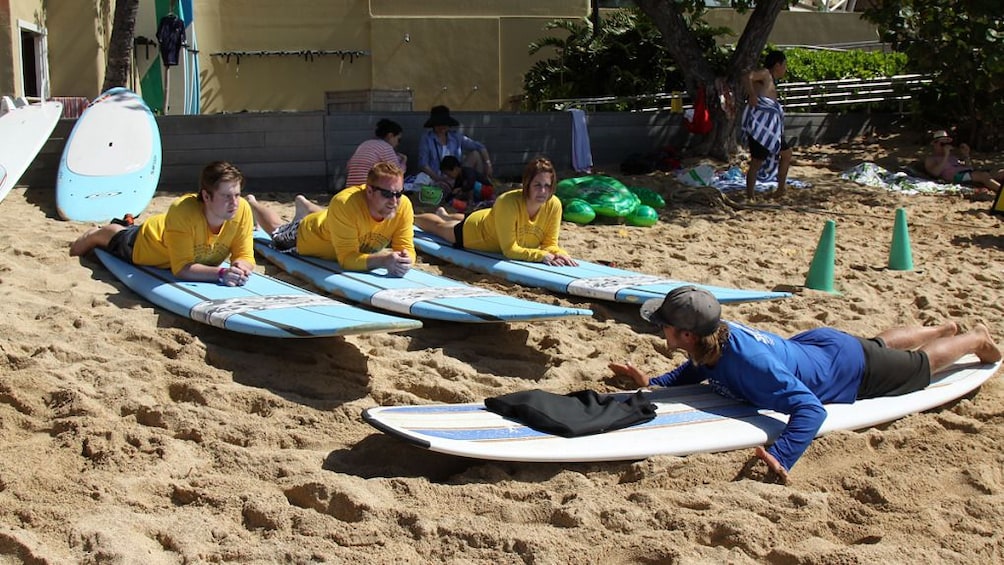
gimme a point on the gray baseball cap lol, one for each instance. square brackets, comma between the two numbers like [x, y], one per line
[685, 308]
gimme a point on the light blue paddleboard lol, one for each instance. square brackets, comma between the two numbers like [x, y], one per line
[589, 280]
[264, 306]
[418, 293]
[111, 163]
[689, 419]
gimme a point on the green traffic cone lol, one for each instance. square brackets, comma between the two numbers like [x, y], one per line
[820, 275]
[900, 257]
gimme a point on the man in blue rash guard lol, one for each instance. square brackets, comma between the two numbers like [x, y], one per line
[796, 376]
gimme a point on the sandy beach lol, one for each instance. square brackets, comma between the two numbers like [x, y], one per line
[130, 435]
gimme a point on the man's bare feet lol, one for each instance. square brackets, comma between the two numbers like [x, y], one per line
[948, 329]
[83, 244]
[442, 213]
[987, 351]
[302, 207]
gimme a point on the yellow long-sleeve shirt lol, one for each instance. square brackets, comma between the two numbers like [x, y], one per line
[506, 227]
[181, 236]
[347, 233]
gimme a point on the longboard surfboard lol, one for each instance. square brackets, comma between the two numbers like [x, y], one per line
[690, 419]
[418, 293]
[110, 166]
[588, 280]
[24, 129]
[264, 306]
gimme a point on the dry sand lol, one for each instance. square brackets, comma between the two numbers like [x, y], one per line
[130, 435]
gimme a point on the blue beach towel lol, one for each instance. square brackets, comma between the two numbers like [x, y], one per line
[764, 123]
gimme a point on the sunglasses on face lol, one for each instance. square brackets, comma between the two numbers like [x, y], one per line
[388, 194]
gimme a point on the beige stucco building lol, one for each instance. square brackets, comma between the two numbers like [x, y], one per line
[268, 55]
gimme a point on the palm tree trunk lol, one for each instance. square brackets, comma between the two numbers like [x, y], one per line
[120, 47]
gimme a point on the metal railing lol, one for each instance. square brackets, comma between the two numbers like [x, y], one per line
[827, 95]
[824, 95]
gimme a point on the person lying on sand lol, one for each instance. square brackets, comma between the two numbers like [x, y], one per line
[796, 376]
[196, 234]
[942, 164]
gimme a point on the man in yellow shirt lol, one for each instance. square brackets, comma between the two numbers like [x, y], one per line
[364, 227]
[196, 234]
[522, 224]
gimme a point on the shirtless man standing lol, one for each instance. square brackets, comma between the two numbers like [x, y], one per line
[763, 123]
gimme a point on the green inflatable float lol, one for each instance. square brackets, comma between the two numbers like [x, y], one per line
[584, 198]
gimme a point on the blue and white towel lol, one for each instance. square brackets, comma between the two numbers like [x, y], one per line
[582, 154]
[734, 180]
[870, 174]
[764, 123]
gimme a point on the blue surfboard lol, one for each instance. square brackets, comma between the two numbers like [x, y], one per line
[418, 293]
[589, 280]
[110, 166]
[264, 306]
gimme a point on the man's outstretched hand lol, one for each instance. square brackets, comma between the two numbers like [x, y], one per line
[772, 464]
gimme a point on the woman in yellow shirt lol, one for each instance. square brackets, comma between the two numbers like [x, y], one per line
[522, 224]
[196, 234]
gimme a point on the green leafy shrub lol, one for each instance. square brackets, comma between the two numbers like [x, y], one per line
[809, 65]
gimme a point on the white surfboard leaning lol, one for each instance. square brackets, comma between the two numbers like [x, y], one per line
[690, 419]
[418, 293]
[588, 280]
[24, 129]
[264, 306]
[110, 166]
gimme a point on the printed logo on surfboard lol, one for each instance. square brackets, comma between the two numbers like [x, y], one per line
[217, 312]
[606, 288]
[394, 298]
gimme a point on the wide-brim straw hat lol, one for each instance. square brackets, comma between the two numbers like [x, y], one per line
[440, 116]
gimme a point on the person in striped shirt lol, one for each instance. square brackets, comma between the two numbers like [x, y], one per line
[382, 148]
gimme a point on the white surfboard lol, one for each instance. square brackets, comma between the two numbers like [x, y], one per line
[110, 166]
[690, 419]
[24, 129]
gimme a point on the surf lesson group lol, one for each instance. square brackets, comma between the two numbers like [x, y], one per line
[371, 225]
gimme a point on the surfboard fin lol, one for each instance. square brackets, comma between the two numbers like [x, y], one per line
[126, 220]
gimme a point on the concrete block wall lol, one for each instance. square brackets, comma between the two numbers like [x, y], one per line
[512, 139]
[308, 151]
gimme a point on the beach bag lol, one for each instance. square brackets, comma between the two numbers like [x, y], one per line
[575, 414]
[701, 122]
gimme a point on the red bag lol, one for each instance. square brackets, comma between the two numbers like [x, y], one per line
[701, 124]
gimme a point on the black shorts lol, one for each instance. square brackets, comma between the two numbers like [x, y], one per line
[760, 153]
[892, 372]
[458, 234]
[284, 236]
[121, 244]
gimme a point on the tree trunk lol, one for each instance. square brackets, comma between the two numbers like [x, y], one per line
[725, 95]
[120, 47]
